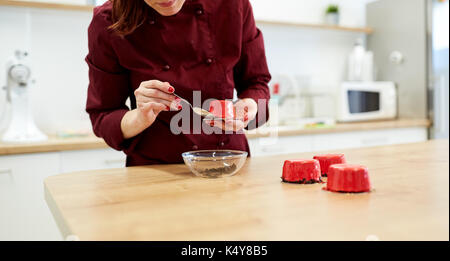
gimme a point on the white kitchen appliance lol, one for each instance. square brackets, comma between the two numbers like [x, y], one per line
[361, 101]
[21, 127]
[284, 105]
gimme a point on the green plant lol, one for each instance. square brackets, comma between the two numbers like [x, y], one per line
[332, 9]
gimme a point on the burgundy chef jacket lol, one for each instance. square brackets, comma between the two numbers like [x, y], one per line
[210, 45]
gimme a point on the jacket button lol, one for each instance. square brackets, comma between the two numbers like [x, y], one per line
[209, 61]
[199, 12]
[152, 22]
[166, 67]
[222, 144]
[195, 147]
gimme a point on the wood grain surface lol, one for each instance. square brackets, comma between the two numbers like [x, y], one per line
[409, 201]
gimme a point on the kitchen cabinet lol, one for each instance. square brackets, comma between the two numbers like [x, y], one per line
[78, 160]
[280, 145]
[322, 142]
[24, 214]
[362, 139]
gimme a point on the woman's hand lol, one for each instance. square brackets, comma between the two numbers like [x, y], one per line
[246, 110]
[152, 97]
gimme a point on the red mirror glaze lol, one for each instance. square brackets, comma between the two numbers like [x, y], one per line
[348, 178]
[301, 171]
[222, 109]
[326, 160]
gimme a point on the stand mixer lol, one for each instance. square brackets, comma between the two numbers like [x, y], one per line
[21, 127]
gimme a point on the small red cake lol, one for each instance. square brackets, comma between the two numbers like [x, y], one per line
[327, 160]
[301, 171]
[222, 109]
[348, 178]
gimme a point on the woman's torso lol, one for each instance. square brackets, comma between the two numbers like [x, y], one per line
[195, 50]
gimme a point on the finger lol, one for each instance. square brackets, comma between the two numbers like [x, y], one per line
[234, 125]
[155, 84]
[241, 111]
[155, 106]
[171, 105]
[158, 107]
[215, 123]
[246, 119]
[154, 93]
[229, 125]
[209, 122]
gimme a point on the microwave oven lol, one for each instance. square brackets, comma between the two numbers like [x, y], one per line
[362, 101]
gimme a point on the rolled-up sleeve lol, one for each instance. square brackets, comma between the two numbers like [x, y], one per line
[251, 73]
[108, 85]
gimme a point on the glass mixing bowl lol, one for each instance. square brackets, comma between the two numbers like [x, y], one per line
[214, 163]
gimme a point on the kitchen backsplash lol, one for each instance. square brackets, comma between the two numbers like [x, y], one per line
[57, 43]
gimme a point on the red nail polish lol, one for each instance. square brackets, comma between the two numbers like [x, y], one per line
[180, 107]
[171, 89]
[168, 108]
[246, 118]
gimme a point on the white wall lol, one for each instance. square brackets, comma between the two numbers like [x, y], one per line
[57, 42]
[310, 11]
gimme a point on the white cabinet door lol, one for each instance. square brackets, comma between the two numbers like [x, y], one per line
[335, 141]
[80, 160]
[24, 214]
[280, 145]
[361, 139]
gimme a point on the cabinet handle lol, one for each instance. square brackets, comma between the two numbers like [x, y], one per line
[109, 162]
[5, 171]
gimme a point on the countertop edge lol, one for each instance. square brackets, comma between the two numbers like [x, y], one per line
[349, 127]
[92, 142]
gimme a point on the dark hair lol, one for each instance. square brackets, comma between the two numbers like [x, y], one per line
[127, 15]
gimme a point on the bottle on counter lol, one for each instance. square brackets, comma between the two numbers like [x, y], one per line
[360, 64]
[274, 104]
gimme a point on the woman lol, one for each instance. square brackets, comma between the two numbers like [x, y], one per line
[146, 50]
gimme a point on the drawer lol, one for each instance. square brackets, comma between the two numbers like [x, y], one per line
[80, 160]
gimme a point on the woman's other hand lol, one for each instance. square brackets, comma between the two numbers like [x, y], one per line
[246, 110]
[152, 97]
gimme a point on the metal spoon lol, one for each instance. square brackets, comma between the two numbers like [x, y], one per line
[197, 110]
[200, 111]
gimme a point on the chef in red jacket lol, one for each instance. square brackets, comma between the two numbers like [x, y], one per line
[146, 50]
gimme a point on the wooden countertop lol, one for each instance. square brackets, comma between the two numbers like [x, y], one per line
[92, 142]
[53, 144]
[342, 127]
[410, 201]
